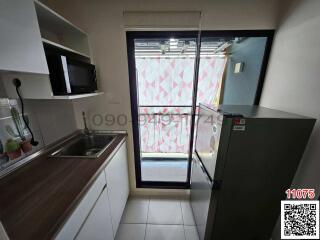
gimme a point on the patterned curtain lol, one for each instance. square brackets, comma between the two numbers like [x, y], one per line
[165, 87]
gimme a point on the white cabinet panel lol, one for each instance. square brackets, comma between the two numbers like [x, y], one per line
[98, 225]
[20, 42]
[98, 214]
[75, 221]
[118, 185]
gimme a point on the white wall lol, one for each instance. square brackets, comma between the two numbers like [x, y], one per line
[293, 79]
[102, 19]
[53, 119]
[240, 88]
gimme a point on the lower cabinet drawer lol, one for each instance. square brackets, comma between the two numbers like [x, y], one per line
[98, 225]
[118, 185]
[78, 217]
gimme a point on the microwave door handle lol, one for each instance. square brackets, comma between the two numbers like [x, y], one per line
[66, 73]
[95, 75]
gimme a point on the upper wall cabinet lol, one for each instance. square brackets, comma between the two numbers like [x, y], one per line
[25, 26]
[58, 31]
[20, 41]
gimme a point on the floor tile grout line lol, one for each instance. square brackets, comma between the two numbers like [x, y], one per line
[184, 231]
[189, 210]
[166, 224]
[145, 230]
[176, 200]
[180, 201]
[131, 199]
[173, 225]
[133, 223]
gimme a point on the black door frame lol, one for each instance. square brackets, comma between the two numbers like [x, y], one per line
[134, 103]
[268, 33]
[131, 35]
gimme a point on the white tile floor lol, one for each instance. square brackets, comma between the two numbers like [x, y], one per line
[157, 218]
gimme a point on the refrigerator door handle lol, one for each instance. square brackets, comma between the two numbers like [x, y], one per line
[210, 182]
[216, 184]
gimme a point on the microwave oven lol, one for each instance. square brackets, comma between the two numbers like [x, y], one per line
[70, 73]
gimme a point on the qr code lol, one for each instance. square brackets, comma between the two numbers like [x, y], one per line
[299, 219]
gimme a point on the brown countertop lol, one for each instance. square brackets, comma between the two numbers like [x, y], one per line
[36, 199]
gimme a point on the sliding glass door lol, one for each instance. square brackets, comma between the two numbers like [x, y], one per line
[163, 66]
[170, 74]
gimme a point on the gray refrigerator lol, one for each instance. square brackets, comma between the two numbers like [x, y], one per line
[245, 159]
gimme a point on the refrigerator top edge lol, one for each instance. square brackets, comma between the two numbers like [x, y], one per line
[248, 111]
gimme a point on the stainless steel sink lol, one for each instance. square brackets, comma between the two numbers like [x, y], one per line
[86, 145]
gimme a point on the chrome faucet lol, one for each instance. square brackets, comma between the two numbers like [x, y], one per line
[86, 129]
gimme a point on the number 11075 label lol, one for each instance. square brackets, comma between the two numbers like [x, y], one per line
[304, 193]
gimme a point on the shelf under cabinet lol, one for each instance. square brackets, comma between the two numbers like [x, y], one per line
[77, 96]
[37, 86]
[63, 47]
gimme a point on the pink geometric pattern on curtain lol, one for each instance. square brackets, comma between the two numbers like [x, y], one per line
[165, 81]
[209, 80]
[168, 84]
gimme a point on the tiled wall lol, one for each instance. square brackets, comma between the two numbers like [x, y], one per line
[49, 121]
[8, 130]
[55, 118]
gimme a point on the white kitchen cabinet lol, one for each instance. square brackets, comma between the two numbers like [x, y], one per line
[99, 212]
[78, 217]
[20, 41]
[98, 225]
[24, 26]
[118, 185]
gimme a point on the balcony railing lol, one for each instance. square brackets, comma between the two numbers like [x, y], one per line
[165, 129]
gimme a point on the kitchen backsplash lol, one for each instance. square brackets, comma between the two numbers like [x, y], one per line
[48, 120]
[55, 118]
[14, 136]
